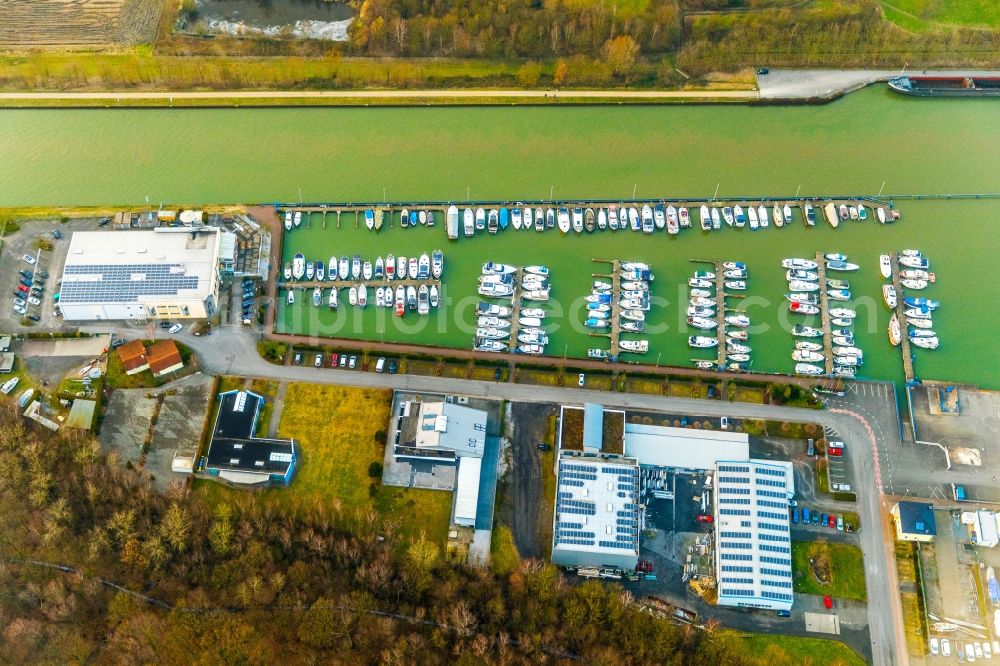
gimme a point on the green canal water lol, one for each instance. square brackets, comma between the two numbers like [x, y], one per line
[851, 147]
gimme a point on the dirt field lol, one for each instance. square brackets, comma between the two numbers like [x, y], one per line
[77, 23]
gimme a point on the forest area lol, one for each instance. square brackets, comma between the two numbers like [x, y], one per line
[97, 568]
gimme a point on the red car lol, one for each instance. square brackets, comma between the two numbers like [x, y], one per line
[835, 452]
[21, 288]
[703, 518]
[832, 522]
[828, 602]
[333, 360]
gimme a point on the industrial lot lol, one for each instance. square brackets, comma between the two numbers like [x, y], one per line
[760, 517]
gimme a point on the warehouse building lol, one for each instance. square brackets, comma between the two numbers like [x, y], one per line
[683, 448]
[596, 521]
[235, 455]
[440, 432]
[163, 273]
[753, 542]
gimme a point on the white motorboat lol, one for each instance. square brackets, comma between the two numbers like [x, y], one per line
[841, 266]
[434, 296]
[480, 219]
[413, 268]
[452, 222]
[534, 350]
[702, 302]
[805, 345]
[799, 264]
[423, 300]
[496, 268]
[437, 264]
[914, 284]
[895, 334]
[635, 285]
[537, 270]
[538, 313]
[801, 331]
[702, 342]
[837, 321]
[702, 293]
[801, 285]
[925, 343]
[485, 345]
[843, 313]
[853, 352]
[494, 322]
[633, 315]
[889, 296]
[539, 220]
[362, 295]
[830, 212]
[356, 267]
[673, 224]
[699, 283]
[914, 262]
[804, 356]
[602, 219]
[411, 298]
[648, 221]
[838, 294]
[536, 295]
[702, 323]
[400, 300]
[796, 274]
[496, 289]
[298, 266]
[843, 340]
[735, 285]
[803, 308]
[532, 337]
[787, 212]
[696, 311]
[288, 220]
[290, 299]
[880, 214]
[808, 369]
[352, 295]
[422, 217]
[716, 219]
[852, 212]
[810, 215]
[613, 217]
[493, 221]
[562, 220]
[379, 297]
[390, 266]
[752, 214]
[288, 271]
[684, 218]
[740, 320]
[530, 322]
[9, 385]
[727, 215]
[847, 361]
[632, 326]
[594, 322]
[800, 297]
[317, 296]
[423, 267]
[578, 220]
[379, 268]
[634, 346]
[297, 219]
[704, 365]
[736, 359]
[762, 216]
[915, 274]
[738, 334]
[344, 268]
[310, 270]
[334, 299]
[599, 286]
[469, 222]
[862, 213]
[491, 309]
[366, 270]
[737, 347]
[633, 218]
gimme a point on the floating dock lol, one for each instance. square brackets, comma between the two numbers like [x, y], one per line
[614, 333]
[824, 314]
[347, 284]
[904, 343]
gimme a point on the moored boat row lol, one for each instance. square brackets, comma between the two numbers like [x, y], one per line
[388, 268]
[518, 325]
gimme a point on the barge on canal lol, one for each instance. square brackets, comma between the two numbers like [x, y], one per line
[946, 86]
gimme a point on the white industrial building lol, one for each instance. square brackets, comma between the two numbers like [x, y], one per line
[982, 526]
[467, 491]
[753, 542]
[162, 273]
[442, 431]
[683, 448]
[596, 521]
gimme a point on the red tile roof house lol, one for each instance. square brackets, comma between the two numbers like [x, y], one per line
[164, 358]
[133, 357]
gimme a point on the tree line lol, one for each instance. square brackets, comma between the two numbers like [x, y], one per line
[240, 583]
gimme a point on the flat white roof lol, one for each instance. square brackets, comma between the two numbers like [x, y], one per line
[684, 448]
[137, 265]
[467, 489]
[597, 505]
[449, 426]
[752, 535]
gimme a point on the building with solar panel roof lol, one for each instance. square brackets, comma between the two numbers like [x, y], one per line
[164, 273]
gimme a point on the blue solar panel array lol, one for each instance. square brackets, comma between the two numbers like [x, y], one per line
[116, 283]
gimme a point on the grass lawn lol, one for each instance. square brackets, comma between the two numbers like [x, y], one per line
[746, 394]
[822, 476]
[644, 385]
[799, 650]
[503, 551]
[624, 7]
[340, 431]
[923, 14]
[847, 569]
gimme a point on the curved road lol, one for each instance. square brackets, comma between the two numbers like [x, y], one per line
[233, 350]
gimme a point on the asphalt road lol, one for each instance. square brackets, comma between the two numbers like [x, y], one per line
[232, 350]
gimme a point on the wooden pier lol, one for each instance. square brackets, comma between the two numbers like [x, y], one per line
[614, 333]
[824, 314]
[515, 308]
[904, 344]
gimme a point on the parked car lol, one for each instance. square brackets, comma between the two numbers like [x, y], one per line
[828, 602]
[987, 650]
[56, 234]
[833, 522]
[724, 423]
[805, 515]
[835, 452]
[795, 516]
[783, 613]
[979, 650]
[334, 359]
[934, 646]
[25, 273]
[175, 328]
[19, 301]
[165, 325]
[43, 274]
[104, 222]
[763, 71]
[30, 259]
[380, 365]
[34, 301]
[810, 447]
[945, 647]
[711, 391]
[815, 517]
[116, 343]
[823, 519]
[23, 289]
[318, 362]
[836, 445]
[33, 317]
[298, 358]
[18, 309]
[581, 380]
[703, 518]
[352, 362]
[840, 523]
[392, 366]
[542, 446]
[343, 360]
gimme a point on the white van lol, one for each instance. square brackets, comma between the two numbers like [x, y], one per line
[380, 365]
